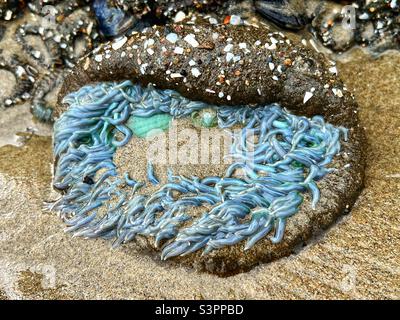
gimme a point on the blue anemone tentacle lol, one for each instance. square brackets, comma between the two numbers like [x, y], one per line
[286, 159]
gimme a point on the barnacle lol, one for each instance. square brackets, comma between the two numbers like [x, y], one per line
[45, 48]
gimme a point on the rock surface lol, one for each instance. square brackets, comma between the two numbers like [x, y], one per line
[355, 259]
[237, 65]
[166, 57]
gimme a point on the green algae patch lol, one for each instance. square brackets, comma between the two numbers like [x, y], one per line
[32, 285]
[142, 127]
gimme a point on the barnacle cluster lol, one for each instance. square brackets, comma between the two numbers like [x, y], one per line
[69, 30]
[376, 25]
[290, 153]
[51, 37]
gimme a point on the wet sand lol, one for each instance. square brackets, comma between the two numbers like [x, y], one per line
[357, 258]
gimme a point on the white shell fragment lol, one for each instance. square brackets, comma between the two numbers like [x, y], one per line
[333, 70]
[191, 39]
[118, 43]
[176, 75]
[307, 96]
[228, 47]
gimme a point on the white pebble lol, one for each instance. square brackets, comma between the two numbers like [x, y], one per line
[118, 43]
[20, 71]
[271, 66]
[235, 20]
[333, 70]
[36, 54]
[229, 56]
[8, 15]
[98, 57]
[337, 92]
[172, 37]
[148, 43]
[178, 50]
[236, 58]
[213, 21]
[191, 39]
[143, 68]
[196, 72]
[273, 40]
[228, 47]
[180, 16]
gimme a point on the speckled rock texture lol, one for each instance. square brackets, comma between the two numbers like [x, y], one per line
[227, 65]
[357, 258]
[237, 64]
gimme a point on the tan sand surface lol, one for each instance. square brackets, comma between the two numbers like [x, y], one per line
[357, 258]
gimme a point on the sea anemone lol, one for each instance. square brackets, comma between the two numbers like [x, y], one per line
[269, 198]
[290, 154]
